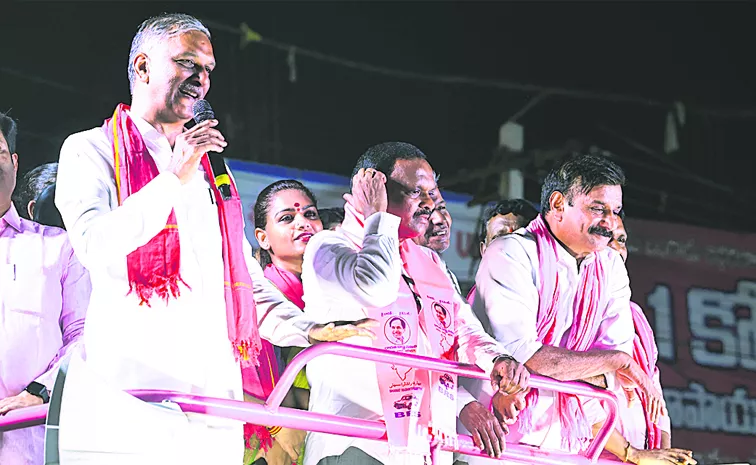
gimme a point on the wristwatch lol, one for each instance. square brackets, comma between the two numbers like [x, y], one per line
[36, 389]
[503, 357]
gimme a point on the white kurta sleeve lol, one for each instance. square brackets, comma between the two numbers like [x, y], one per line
[76, 288]
[85, 191]
[370, 276]
[475, 345]
[507, 298]
[279, 321]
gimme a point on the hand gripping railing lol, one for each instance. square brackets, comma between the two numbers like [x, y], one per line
[271, 413]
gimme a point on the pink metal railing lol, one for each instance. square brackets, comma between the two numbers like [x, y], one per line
[23, 418]
[271, 413]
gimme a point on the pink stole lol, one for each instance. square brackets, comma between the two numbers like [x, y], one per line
[414, 401]
[589, 301]
[153, 269]
[286, 282]
[645, 354]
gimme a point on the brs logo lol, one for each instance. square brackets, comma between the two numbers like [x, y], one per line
[407, 402]
[446, 386]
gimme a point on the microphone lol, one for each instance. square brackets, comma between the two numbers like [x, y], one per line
[202, 111]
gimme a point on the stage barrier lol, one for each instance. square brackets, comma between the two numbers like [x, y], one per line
[272, 414]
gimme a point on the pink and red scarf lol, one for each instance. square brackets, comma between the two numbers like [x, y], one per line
[589, 302]
[153, 269]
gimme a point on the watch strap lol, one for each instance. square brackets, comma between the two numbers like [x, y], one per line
[40, 390]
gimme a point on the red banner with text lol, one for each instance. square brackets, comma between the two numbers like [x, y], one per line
[698, 289]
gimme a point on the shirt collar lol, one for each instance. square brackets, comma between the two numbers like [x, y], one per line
[564, 256]
[147, 131]
[11, 219]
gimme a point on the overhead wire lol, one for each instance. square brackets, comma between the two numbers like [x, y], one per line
[249, 36]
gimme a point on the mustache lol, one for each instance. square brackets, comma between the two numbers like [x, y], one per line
[422, 212]
[599, 231]
[188, 86]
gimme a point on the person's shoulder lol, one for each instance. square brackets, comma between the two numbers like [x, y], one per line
[609, 255]
[85, 141]
[517, 243]
[51, 236]
[613, 262]
[93, 135]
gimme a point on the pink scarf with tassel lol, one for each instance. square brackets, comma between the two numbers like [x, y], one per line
[645, 354]
[576, 432]
[153, 269]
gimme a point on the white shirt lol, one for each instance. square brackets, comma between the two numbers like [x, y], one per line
[506, 301]
[180, 345]
[340, 281]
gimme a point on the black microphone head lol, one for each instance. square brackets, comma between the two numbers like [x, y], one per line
[202, 111]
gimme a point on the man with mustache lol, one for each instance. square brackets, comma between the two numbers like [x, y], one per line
[370, 267]
[558, 299]
[438, 235]
[178, 302]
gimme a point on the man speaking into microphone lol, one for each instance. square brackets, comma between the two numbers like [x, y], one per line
[178, 303]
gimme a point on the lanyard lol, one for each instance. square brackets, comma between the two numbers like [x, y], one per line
[411, 285]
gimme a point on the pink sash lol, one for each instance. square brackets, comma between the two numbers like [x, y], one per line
[589, 301]
[286, 282]
[646, 354]
[414, 401]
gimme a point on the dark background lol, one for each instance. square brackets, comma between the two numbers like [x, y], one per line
[63, 70]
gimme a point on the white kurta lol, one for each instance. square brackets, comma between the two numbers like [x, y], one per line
[340, 281]
[506, 301]
[181, 345]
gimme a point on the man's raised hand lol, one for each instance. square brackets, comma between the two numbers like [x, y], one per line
[191, 144]
[368, 192]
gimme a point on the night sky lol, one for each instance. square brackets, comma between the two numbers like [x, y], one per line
[64, 70]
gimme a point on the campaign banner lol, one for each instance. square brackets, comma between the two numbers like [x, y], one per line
[697, 287]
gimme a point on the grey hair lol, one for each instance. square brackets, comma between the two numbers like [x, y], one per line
[159, 28]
